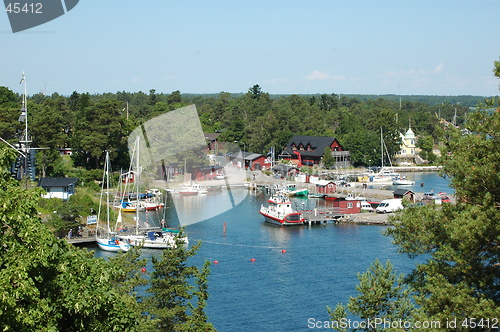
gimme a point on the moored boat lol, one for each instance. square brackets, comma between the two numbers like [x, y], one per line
[154, 239]
[402, 181]
[280, 212]
[106, 239]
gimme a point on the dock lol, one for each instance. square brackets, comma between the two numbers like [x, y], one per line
[319, 217]
[82, 240]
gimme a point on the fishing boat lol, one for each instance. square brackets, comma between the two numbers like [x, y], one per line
[106, 239]
[299, 192]
[280, 212]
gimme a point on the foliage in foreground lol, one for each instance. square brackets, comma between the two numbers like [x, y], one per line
[47, 284]
[460, 281]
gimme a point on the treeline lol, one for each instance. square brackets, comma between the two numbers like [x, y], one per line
[92, 124]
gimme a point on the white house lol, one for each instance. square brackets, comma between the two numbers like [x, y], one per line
[61, 188]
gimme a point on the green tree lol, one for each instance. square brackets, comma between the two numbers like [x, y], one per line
[426, 144]
[462, 278]
[328, 160]
[100, 127]
[383, 296]
[45, 283]
[171, 290]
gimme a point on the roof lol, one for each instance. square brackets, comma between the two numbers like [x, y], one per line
[402, 192]
[211, 136]
[410, 134]
[246, 155]
[317, 143]
[207, 168]
[253, 156]
[323, 182]
[57, 182]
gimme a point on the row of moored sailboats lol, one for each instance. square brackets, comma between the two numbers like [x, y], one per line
[115, 239]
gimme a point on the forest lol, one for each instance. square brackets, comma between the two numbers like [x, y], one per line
[92, 124]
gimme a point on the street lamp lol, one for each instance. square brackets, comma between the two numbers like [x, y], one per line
[243, 153]
[244, 145]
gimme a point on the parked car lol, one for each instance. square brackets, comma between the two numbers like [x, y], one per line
[390, 205]
[365, 206]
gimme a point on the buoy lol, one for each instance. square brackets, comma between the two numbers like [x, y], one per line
[283, 251]
[216, 262]
[143, 270]
[252, 260]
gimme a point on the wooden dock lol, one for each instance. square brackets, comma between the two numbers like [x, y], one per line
[317, 217]
[82, 240]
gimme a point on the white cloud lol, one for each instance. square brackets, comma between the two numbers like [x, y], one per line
[412, 72]
[318, 75]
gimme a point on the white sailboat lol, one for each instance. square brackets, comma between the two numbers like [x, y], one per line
[108, 241]
[386, 174]
[156, 238]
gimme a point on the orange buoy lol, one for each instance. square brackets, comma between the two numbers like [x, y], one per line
[143, 270]
[283, 251]
[216, 262]
[252, 260]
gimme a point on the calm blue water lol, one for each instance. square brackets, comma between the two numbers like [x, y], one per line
[424, 182]
[281, 291]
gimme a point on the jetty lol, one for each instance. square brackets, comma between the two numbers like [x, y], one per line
[320, 217]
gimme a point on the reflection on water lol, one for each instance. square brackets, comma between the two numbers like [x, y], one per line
[192, 209]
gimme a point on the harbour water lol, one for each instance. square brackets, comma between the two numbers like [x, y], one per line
[272, 278]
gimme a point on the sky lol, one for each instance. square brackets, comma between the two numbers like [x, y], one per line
[402, 47]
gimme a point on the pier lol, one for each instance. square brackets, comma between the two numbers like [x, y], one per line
[324, 216]
[319, 217]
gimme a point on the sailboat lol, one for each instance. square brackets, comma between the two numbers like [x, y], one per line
[386, 174]
[158, 238]
[109, 241]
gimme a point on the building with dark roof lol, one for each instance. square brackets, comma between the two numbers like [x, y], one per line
[61, 188]
[309, 150]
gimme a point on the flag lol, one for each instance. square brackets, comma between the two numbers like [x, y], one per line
[22, 79]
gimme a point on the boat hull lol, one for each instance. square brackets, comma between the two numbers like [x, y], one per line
[291, 219]
[112, 245]
[160, 242]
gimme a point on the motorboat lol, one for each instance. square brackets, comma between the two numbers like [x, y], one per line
[280, 212]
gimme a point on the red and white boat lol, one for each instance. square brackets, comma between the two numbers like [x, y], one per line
[280, 212]
[152, 206]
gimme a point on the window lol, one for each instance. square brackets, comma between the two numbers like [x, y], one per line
[349, 205]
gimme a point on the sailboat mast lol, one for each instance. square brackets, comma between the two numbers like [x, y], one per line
[381, 147]
[137, 188]
[107, 189]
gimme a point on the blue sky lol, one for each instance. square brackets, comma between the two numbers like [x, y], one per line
[423, 47]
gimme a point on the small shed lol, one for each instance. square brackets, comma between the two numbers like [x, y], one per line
[406, 194]
[325, 187]
[347, 206]
[61, 188]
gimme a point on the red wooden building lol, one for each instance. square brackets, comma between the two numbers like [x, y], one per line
[345, 206]
[326, 187]
[206, 172]
[309, 150]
